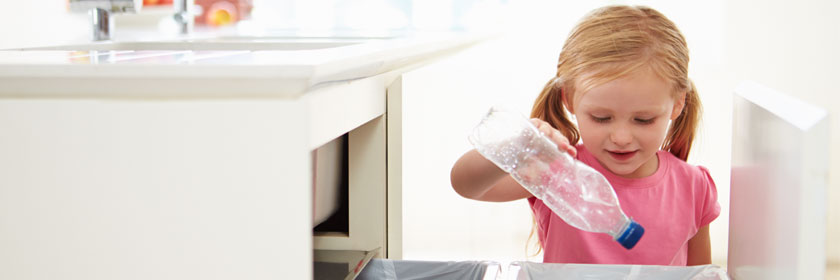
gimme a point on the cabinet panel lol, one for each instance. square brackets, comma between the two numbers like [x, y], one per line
[165, 189]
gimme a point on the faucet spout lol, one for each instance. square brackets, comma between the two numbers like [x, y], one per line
[100, 13]
[102, 24]
[184, 16]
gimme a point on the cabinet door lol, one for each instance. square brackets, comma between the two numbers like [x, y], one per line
[154, 189]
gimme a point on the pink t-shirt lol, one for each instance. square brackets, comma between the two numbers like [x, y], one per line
[672, 205]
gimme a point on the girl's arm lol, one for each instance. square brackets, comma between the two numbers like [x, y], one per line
[477, 178]
[700, 248]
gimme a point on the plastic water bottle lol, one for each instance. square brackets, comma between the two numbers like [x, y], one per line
[578, 194]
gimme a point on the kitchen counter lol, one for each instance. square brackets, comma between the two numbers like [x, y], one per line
[78, 71]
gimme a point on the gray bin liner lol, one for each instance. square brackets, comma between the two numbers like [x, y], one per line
[385, 269]
[530, 270]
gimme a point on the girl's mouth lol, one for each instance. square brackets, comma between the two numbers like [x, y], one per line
[622, 156]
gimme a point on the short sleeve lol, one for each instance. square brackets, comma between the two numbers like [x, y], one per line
[707, 200]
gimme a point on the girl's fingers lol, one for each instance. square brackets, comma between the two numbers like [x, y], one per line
[540, 124]
[563, 143]
[559, 136]
[555, 135]
[571, 150]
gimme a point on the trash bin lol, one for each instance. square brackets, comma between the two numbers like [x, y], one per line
[530, 270]
[385, 269]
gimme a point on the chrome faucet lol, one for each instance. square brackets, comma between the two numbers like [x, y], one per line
[100, 13]
[184, 15]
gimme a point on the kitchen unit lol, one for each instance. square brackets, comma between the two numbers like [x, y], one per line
[193, 158]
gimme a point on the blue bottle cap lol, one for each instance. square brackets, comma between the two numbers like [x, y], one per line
[631, 235]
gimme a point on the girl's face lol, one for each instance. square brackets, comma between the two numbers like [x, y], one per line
[623, 122]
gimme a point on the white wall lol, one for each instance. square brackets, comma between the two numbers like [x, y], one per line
[40, 22]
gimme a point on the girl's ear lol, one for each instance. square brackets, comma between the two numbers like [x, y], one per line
[679, 104]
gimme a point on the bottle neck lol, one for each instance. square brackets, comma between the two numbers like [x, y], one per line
[620, 228]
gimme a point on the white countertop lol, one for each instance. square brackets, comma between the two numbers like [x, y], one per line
[211, 73]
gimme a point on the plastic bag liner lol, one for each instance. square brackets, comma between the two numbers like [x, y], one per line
[529, 270]
[386, 269]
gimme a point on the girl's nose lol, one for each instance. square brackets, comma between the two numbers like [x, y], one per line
[621, 136]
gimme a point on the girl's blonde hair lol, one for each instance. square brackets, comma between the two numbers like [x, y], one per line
[609, 43]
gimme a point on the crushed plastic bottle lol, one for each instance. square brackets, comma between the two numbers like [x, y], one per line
[576, 192]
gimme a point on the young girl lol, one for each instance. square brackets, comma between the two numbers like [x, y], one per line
[622, 74]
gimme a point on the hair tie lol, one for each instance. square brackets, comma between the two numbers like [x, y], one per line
[556, 81]
[689, 85]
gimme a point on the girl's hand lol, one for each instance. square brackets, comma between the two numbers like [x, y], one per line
[555, 136]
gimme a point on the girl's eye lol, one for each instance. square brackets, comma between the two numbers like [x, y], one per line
[600, 119]
[645, 121]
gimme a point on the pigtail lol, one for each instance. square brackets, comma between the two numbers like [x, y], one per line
[531, 236]
[682, 131]
[549, 107]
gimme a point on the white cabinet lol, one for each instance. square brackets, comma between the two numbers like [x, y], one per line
[170, 166]
[186, 188]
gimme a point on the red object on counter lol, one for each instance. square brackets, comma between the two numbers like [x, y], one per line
[157, 2]
[223, 12]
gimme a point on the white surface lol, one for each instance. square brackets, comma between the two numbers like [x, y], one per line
[530, 270]
[189, 189]
[779, 187]
[186, 73]
[795, 111]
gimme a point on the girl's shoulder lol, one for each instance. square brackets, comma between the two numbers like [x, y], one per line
[696, 183]
[685, 170]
